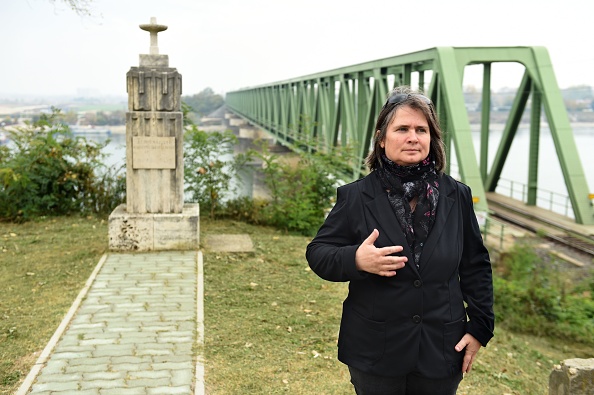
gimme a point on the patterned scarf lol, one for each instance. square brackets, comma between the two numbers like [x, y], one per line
[403, 183]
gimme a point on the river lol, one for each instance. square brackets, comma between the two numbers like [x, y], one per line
[550, 177]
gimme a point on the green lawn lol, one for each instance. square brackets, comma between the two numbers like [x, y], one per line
[271, 324]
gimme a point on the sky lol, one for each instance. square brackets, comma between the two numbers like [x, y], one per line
[47, 49]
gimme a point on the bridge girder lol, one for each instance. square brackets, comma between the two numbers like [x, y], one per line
[339, 107]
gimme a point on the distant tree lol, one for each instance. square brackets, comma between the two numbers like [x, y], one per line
[110, 118]
[204, 102]
[576, 105]
[472, 97]
[578, 92]
[89, 118]
[69, 118]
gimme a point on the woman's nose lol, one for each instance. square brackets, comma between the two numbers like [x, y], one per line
[412, 136]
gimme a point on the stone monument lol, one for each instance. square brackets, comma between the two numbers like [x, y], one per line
[154, 216]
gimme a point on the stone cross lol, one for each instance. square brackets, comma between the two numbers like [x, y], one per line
[154, 29]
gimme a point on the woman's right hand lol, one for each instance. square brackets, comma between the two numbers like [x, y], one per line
[379, 261]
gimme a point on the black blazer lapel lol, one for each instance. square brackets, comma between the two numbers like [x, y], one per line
[379, 208]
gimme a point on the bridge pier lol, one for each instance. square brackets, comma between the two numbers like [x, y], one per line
[249, 137]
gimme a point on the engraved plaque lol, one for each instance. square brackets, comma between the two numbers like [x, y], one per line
[153, 152]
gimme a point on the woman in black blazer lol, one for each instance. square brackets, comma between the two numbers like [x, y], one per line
[420, 301]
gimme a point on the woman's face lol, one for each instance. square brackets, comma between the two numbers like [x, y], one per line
[408, 137]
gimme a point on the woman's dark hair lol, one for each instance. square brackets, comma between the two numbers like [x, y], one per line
[400, 97]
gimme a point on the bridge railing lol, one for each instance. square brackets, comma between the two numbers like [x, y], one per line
[553, 201]
[339, 107]
[493, 232]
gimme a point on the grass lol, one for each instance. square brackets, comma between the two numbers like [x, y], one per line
[271, 324]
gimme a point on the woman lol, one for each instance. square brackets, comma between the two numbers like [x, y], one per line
[420, 300]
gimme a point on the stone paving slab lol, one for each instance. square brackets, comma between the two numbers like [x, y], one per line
[229, 243]
[133, 330]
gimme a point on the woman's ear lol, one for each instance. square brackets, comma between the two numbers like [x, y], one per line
[377, 133]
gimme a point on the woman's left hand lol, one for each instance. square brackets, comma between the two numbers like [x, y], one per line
[472, 348]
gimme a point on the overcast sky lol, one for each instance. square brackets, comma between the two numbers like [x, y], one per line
[47, 49]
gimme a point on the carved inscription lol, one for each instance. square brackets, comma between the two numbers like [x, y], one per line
[153, 152]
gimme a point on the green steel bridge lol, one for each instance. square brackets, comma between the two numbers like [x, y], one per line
[339, 108]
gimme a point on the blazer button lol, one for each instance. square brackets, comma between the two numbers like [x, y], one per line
[416, 319]
[417, 283]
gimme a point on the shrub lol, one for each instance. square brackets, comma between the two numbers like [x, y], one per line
[530, 299]
[49, 171]
[245, 209]
[210, 168]
[300, 193]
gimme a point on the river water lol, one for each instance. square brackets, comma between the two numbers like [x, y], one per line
[552, 191]
[515, 170]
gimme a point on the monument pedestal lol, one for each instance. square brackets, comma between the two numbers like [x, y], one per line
[154, 231]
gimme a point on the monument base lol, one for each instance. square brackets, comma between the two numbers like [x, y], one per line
[154, 232]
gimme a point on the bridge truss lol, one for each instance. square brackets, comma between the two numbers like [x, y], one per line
[339, 107]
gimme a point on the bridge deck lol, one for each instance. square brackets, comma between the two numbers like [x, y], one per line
[536, 218]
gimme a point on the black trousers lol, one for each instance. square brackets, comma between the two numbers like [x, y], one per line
[411, 384]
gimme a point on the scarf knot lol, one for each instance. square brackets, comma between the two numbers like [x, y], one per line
[405, 183]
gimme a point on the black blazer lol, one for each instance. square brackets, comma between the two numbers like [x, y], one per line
[392, 326]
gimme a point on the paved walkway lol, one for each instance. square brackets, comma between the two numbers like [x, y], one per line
[135, 328]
